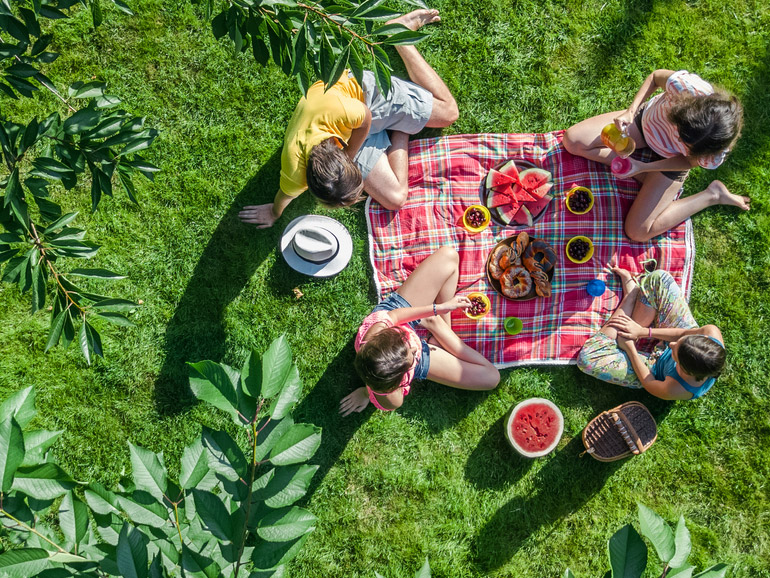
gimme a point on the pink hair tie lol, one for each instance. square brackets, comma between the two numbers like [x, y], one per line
[649, 333]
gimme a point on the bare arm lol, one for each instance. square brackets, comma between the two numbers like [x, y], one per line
[451, 342]
[666, 389]
[630, 329]
[263, 216]
[677, 163]
[359, 399]
[358, 136]
[407, 314]
[652, 83]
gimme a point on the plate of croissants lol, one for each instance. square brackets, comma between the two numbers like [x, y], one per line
[522, 267]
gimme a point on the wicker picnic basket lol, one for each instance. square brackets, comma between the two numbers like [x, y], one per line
[619, 432]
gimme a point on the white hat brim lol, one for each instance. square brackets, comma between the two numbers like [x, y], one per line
[328, 268]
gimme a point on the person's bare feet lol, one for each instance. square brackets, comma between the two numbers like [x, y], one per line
[625, 279]
[724, 197]
[416, 19]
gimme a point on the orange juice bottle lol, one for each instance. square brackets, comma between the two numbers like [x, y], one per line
[618, 141]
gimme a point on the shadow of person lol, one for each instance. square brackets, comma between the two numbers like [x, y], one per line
[234, 251]
[565, 484]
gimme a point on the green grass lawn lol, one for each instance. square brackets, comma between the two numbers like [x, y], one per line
[436, 478]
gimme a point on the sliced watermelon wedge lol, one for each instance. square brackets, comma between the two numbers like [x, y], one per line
[534, 178]
[537, 207]
[509, 169]
[498, 199]
[507, 212]
[496, 179]
[522, 217]
[541, 191]
[521, 195]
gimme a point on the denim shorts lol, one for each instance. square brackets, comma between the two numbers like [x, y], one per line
[395, 301]
[407, 108]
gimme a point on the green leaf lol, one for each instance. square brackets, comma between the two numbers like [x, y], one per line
[100, 499]
[96, 13]
[194, 467]
[251, 375]
[327, 63]
[269, 434]
[297, 445]
[628, 553]
[82, 121]
[283, 486]
[38, 287]
[717, 571]
[655, 529]
[299, 49]
[149, 473]
[286, 524]
[60, 223]
[142, 508]
[406, 37]
[87, 90]
[224, 455]
[423, 572]
[116, 319]
[11, 451]
[290, 392]
[96, 274]
[22, 70]
[568, 573]
[365, 7]
[389, 29]
[382, 75]
[268, 555]
[356, 64]
[681, 572]
[23, 562]
[683, 544]
[213, 383]
[214, 515]
[20, 405]
[36, 444]
[14, 27]
[84, 343]
[276, 366]
[49, 167]
[123, 7]
[340, 64]
[137, 145]
[73, 518]
[196, 565]
[132, 556]
[115, 305]
[44, 482]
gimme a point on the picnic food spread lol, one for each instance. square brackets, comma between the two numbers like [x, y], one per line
[579, 200]
[518, 198]
[521, 267]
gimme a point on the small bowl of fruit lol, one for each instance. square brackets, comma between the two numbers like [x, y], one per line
[480, 306]
[476, 218]
[580, 249]
[579, 200]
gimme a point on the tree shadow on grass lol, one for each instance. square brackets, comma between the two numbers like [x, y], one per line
[565, 484]
[196, 330]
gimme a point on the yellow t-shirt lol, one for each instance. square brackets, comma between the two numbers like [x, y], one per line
[318, 116]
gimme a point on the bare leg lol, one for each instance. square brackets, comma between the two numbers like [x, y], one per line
[584, 138]
[388, 182]
[445, 110]
[434, 280]
[655, 211]
[630, 295]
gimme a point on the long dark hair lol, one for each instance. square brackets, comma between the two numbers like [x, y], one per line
[701, 356]
[383, 360]
[332, 176]
[707, 124]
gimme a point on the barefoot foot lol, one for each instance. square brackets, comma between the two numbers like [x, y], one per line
[416, 19]
[724, 197]
[625, 279]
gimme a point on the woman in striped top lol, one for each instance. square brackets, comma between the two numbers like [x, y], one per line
[689, 124]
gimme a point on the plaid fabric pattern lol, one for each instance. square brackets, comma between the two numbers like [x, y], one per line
[446, 175]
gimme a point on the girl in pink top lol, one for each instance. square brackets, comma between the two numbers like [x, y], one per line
[689, 124]
[390, 354]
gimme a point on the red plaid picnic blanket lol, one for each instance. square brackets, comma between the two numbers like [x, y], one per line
[445, 177]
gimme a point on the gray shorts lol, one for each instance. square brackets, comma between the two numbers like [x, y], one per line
[407, 108]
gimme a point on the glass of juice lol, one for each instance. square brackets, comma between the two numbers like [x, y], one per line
[618, 141]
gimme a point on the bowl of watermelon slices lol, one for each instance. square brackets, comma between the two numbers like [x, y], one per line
[517, 193]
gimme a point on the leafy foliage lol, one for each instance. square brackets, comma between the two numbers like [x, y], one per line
[629, 554]
[99, 140]
[320, 39]
[232, 509]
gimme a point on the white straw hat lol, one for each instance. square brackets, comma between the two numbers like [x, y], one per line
[316, 245]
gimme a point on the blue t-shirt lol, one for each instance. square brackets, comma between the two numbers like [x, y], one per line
[665, 367]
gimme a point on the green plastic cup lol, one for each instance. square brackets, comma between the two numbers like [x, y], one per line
[513, 325]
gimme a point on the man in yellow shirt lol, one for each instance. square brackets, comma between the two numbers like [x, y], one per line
[337, 144]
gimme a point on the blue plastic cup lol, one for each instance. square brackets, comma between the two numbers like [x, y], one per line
[596, 288]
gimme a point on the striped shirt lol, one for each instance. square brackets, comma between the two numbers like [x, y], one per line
[660, 133]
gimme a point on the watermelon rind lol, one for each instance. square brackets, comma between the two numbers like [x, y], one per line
[509, 435]
[537, 207]
[509, 169]
[508, 211]
[498, 199]
[541, 191]
[533, 178]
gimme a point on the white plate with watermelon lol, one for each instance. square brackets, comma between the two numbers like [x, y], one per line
[517, 193]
